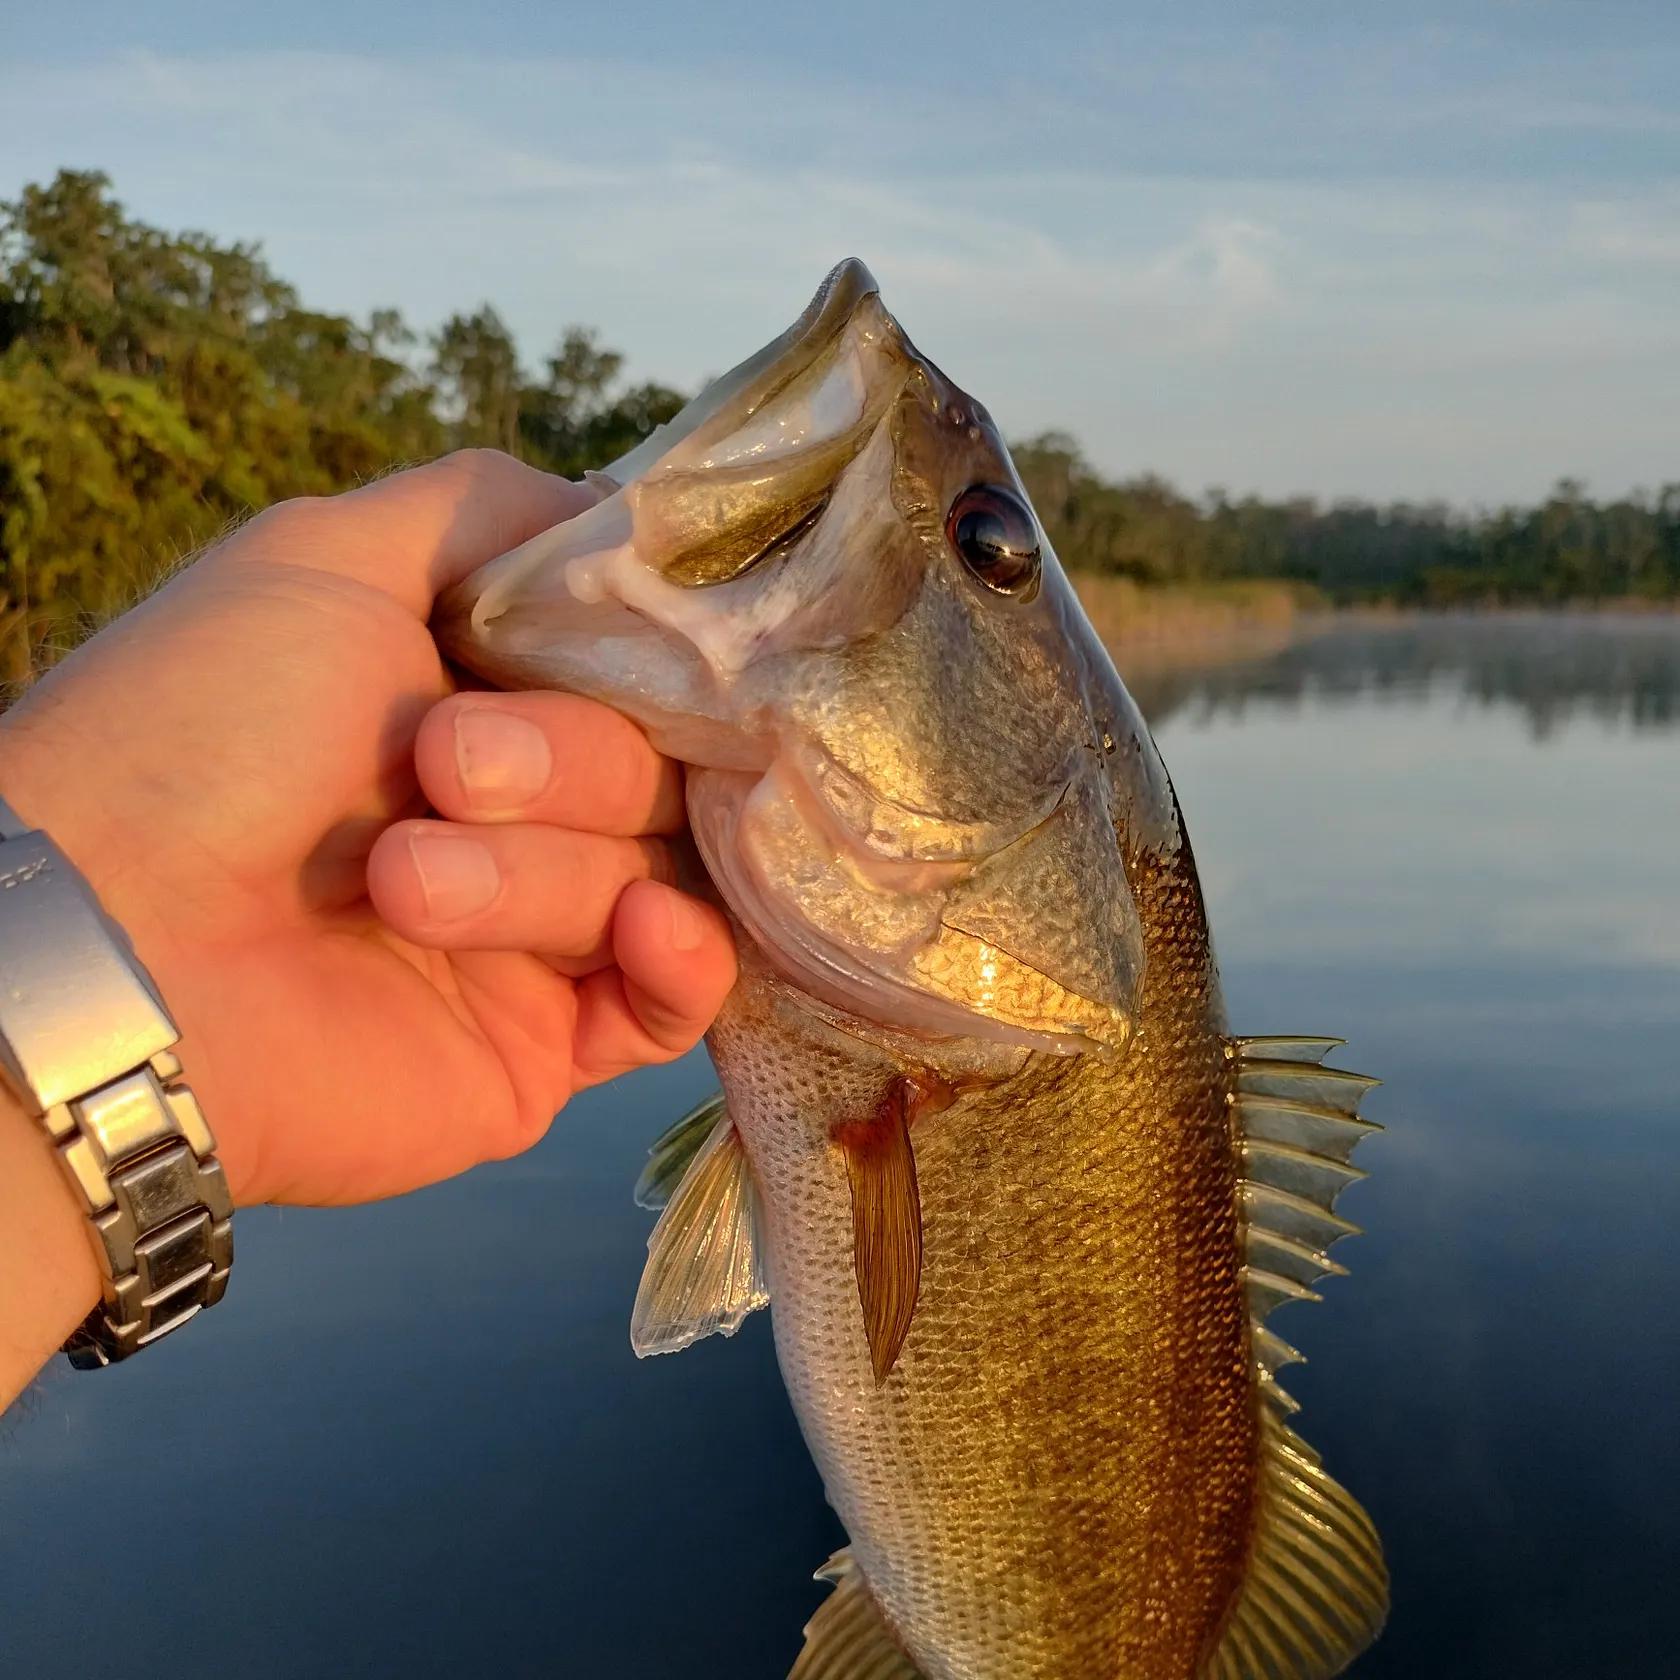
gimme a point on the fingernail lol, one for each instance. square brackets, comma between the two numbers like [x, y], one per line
[688, 923]
[457, 875]
[502, 759]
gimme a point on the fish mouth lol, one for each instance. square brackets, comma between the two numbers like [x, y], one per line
[869, 920]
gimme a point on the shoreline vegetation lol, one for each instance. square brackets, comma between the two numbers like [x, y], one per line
[156, 388]
[1165, 629]
[1160, 628]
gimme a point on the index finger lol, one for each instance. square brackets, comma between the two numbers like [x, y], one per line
[415, 533]
[550, 758]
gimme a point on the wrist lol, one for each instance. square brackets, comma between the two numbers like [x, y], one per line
[46, 1255]
[59, 781]
[88, 1058]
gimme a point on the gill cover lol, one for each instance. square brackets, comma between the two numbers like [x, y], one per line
[914, 772]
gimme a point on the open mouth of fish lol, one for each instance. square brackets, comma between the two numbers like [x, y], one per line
[842, 889]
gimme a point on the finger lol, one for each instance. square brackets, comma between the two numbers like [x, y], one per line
[523, 887]
[414, 533]
[549, 758]
[675, 965]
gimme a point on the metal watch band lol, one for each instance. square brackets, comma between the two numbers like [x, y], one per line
[85, 1046]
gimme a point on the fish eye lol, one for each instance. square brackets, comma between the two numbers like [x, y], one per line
[995, 534]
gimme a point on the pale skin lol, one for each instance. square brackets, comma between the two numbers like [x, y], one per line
[399, 926]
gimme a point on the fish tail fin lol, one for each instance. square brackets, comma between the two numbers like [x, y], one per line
[1314, 1592]
[848, 1638]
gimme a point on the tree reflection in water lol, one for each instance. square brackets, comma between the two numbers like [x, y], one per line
[1554, 666]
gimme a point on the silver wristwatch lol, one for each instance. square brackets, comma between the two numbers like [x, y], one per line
[85, 1047]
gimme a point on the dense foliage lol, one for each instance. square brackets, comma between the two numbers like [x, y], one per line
[1569, 548]
[155, 387]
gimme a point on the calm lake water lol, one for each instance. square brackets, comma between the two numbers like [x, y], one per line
[414, 1442]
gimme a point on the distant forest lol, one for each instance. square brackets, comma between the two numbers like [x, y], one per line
[155, 387]
[1570, 548]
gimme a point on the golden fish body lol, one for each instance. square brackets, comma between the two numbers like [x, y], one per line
[1019, 1203]
[1056, 1479]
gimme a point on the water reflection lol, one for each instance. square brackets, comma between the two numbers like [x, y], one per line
[1553, 666]
[415, 1443]
[1453, 842]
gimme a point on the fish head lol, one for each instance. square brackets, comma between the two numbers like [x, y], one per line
[915, 778]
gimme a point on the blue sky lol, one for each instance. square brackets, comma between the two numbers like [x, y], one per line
[1395, 250]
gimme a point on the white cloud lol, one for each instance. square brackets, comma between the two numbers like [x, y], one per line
[1641, 234]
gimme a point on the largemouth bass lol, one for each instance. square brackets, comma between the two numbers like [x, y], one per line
[1020, 1202]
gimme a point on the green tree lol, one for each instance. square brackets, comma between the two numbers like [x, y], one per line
[155, 387]
[477, 368]
[571, 423]
[1141, 529]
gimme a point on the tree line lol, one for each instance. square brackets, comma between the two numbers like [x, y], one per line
[155, 387]
[1569, 548]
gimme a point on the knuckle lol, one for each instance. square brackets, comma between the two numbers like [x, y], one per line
[476, 460]
[287, 525]
[529, 1127]
[478, 470]
[469, 465]
[673, 1031]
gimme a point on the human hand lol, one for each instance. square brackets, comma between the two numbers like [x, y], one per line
[239, 767]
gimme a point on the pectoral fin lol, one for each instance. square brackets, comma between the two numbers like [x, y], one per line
[673, 1153]
[886, 1223]
[703, 1273]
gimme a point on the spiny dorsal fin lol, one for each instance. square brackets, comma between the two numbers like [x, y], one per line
[1315, 1590]
[1275, 1049]
[672, 1154]
[1297, 1125]
[847, 1639]
[886, 1223]
[703, 1273]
